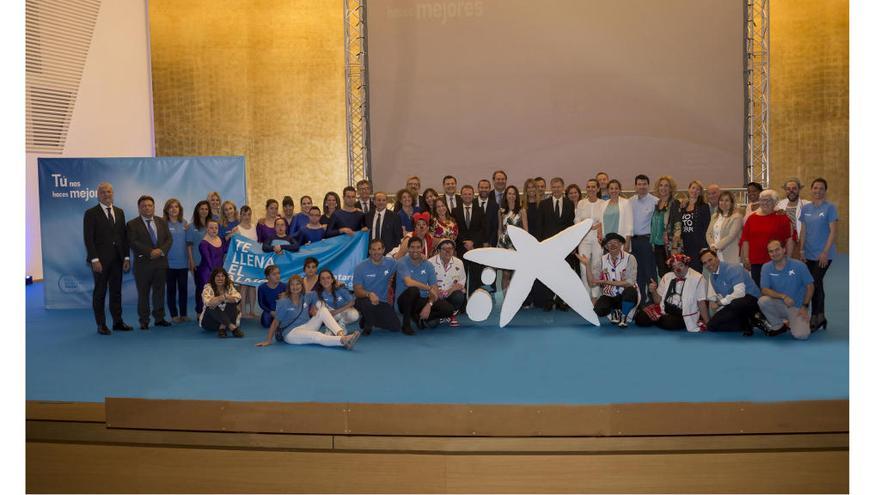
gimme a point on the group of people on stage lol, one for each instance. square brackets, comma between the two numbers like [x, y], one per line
[695, 261]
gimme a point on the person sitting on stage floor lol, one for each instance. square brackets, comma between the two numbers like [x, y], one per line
[336, 298]
[681, 296]
[421, 222]
[268, 294]
[451, 280]
[221, 305]
[281, 241]
[293, 323]
[372, 289]
[617, 281]
[348, 219]
[416, 287]
[787, 288]
[732, 295]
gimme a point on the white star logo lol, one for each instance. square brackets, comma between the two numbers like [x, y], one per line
[386, 272]
[544, 261]
[791, 273]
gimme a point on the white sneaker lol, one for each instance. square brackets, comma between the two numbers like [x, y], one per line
[615, 316]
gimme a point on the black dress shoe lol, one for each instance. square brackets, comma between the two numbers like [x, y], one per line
[121, 326]
[163, 323]
[561, 306]
[548, 306]
[779, 331]
[145, 326]
[408, 331]
[103, 330]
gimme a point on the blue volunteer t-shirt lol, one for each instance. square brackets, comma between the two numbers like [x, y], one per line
[374, 278]
[194, 237]
[730, 275]
[334, 301]
[817, 220]
[290, 316]
[422, 272]
[177, 253]
[792, 280]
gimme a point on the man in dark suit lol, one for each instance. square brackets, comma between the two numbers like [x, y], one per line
[384, 224]
[107, 253]
[557, 214]
[452, 199]
[364, 190]
[471, 234]
[150, 241]
[499, 185]
[486, 202]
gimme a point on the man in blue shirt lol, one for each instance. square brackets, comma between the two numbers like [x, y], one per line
[787, 288]
[372, 284]
[642, 205]
[416, 286]
[733, 295]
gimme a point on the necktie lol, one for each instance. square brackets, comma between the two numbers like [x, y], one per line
[152, 232]
[377, 227]
[451, 202]
[483, 205]
[556, 207]
[110, 215]
[467, 216]
[366, 206]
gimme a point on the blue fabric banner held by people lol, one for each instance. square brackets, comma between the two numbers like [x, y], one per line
[245, 260]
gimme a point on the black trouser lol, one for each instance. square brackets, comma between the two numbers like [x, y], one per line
[214, 317]
[410, 304]
[736, 316]
[149, 277]
[110, 276]
[643, 250]
[456, 301]
[756, 273]
[660, 257]
[175, 290]
[817, 305]
[605, 304]
[381, 315]
[474, 272]
[198, 295]
[666, 321]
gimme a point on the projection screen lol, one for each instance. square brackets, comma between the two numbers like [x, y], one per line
[555, 88]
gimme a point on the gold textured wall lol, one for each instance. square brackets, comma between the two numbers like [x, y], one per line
[809, 95]
[263, 79]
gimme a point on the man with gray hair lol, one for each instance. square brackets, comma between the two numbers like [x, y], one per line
[713, 194]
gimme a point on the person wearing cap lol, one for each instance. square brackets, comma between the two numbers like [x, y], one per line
[617, 281]
[791, 205]
[786, 288]
[732, 295]
[421, 221]
[451, 280]
[681, 296]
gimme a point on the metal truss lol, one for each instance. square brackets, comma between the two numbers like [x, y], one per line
[757, 79]
[356, 94]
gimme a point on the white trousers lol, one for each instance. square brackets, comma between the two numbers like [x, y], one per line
[590, 246]
[310, 331]
[775, 310]
[350, 315]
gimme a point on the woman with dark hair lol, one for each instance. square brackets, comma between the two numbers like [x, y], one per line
[287, 209]
[405, 209]
[294, 324]
[510, 213]
[617, 215]
[726, 228]
[302, 218]
[573, 193]
[175, 278]
[221, 304]
[331, 204]
[428, 199]
[268, 293]
[266, 225]
[195, 234]
[280, 239]
[817, 245]
[310, 270]
[695, 216]
[443, 226]
[336, 298]
[754, 189]
[314, 230]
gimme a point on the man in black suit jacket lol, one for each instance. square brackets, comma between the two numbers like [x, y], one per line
[107, 253]
[486, 202]
[471, 234]
[450, 197]
[150, 240]
[364, 190]
[557, 214]
[387, 226]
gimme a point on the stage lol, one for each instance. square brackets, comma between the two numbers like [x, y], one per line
[549, 404]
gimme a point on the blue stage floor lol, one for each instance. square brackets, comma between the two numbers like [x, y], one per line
[540, 358]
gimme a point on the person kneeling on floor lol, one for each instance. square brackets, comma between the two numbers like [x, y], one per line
[732, 295]
[786, 288]
[679, 299]
[617, 281]
[451, 280]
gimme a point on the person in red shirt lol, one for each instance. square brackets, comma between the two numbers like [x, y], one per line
[764, 225]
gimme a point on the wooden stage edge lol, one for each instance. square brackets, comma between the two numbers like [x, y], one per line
[176, 446]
